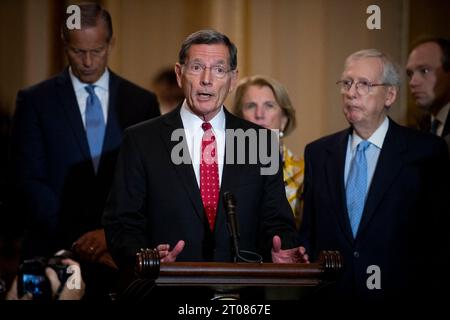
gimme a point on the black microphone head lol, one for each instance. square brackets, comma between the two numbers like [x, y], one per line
[228, 199]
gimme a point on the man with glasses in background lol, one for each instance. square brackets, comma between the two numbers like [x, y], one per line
[374, 192]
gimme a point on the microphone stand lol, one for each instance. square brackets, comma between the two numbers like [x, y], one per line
[229, 204]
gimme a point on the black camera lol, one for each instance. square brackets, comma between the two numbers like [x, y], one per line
[32, 278]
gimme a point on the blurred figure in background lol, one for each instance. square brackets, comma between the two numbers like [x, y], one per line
[428, 71]
[265, 101]
[65, 140]
[166, 88]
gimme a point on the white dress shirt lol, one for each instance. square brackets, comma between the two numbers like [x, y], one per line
[194, 133]
[372, 152]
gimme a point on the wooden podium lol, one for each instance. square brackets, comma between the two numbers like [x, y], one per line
[230, 277]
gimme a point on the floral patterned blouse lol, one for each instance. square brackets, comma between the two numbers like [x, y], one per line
[293, 173]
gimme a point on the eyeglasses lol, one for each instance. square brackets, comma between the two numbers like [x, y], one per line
[196, 68]
[362, 87]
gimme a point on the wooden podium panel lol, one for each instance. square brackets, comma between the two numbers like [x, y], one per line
[225, 274]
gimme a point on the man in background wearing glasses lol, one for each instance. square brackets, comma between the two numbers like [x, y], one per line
[158, 202]
[375, 191]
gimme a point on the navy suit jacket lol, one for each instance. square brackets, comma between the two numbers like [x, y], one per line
[424, 124]
[404, 227]
[58, 192]
[154, 201]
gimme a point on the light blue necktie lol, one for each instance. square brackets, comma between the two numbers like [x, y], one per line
[357, 186]
[95, 125]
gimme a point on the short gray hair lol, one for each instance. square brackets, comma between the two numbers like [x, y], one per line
[208, 37]
[390, 75]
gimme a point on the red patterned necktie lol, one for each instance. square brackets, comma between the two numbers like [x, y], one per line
[209, 174]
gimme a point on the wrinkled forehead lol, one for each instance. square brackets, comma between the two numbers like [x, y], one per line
[217, 53]
[363, 68]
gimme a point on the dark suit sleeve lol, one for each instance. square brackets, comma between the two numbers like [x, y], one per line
[153, 107]
[30, 167]
[124, 220]
[277, 216]
[308, 205]
[437, 218]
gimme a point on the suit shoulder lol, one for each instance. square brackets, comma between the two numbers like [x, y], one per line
[421, 141]
[132, 87]
[40, 88]
[240, 123]
[145, 128]
[329, 140]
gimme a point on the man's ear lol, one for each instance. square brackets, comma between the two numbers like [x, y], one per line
[391, 95]
[178, 73]
[111, 44]
[234, 79]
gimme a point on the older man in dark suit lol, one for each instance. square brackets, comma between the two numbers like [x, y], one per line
[376, 192]
[66, 135]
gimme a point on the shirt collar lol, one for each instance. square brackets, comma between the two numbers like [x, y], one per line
[377, 138]
[102, 82]
[192, 122]
[442, 114]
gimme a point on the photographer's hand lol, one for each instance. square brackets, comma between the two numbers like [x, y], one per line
[72, 289]
[13, 295]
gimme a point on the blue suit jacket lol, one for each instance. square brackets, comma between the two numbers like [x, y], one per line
[58, 192]
[404, 225]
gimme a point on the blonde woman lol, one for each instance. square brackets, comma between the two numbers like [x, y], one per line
[265, 101]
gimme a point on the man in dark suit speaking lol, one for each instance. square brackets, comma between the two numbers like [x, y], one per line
[377, 192]
[66, 134]
[158, 201]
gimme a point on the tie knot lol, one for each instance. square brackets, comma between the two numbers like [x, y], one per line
[206, 126]
[363, 145]
[90, 89]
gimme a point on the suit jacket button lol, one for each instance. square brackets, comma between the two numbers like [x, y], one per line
[356, 254]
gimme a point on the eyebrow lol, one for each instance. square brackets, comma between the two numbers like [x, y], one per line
[85, 50]
[420, 66]
[357, 79]
[219, 62]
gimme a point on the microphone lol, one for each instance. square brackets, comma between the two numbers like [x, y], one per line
[229, 203]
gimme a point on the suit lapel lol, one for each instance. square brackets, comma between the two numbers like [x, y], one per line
[446, 130]
[230, 173]
[335, 168]
[69, 103]
[113, 131]
[388, 166]
[185, 171]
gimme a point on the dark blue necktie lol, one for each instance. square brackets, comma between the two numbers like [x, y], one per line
[357, 186]
[95, 125]
[434, 126]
